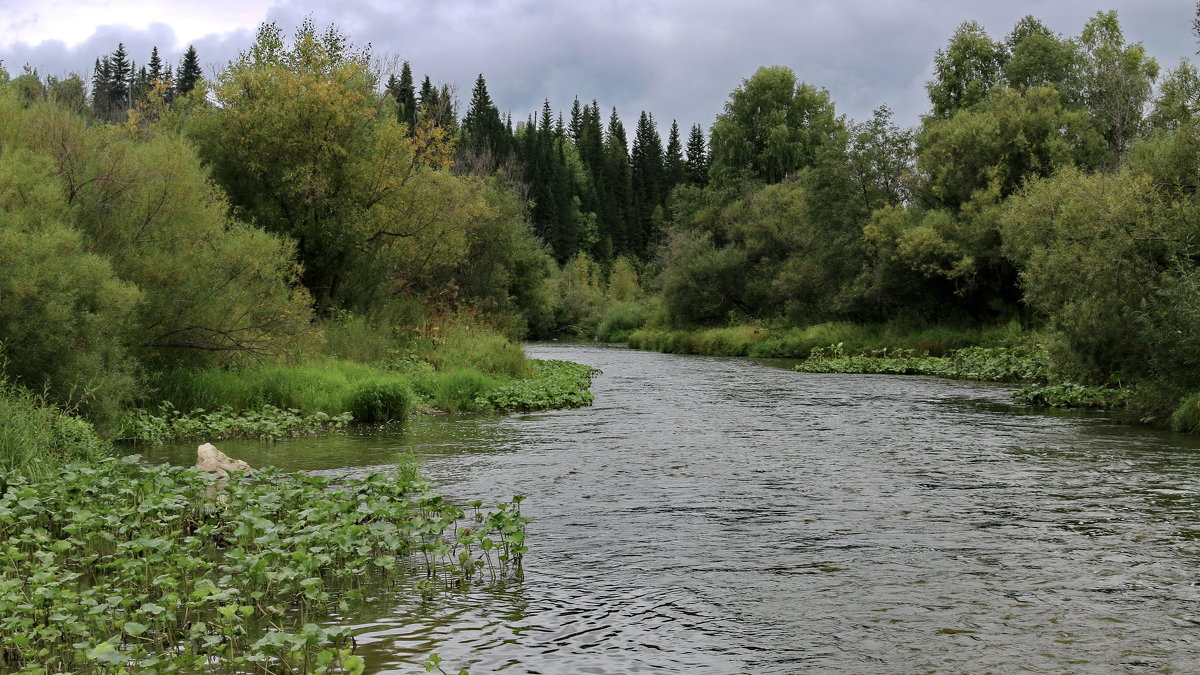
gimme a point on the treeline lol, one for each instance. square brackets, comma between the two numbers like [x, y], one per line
[1047, 184]
[1050, 183]
[250, 219]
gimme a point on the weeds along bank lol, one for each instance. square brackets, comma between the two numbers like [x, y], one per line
[452, 366]
[989, 354]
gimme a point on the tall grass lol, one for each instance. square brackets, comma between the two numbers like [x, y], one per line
[36, 439]
[456, 345]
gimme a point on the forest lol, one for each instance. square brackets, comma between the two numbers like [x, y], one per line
[305, 209]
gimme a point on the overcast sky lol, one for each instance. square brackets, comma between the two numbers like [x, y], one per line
[677, 59]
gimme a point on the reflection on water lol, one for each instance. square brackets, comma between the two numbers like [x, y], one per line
[723, 516]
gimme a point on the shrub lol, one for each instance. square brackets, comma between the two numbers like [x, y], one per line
[382, 401]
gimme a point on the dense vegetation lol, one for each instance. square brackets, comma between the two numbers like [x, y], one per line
[117, 567]
[159, 226]
[301, 241]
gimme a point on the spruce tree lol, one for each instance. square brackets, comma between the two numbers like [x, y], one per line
[406, 97]
[119, 76]
[155, 70]
[646, 176]
[617, 183]
[576, 120]
[189, 72]
[697, 157]
[675, 165]
[101, 75]
[483, 132]
[428, 105]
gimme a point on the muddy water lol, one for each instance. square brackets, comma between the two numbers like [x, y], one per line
[725, 516]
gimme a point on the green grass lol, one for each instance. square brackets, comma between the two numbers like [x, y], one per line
[36, 439]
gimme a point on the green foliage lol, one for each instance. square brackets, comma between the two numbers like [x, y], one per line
[456, 344]
[381, 401]
[554, 384]
[64, 314]
[772, 126]
[456, 390]
[1186, 418]
[117, 565]
[622, 318]
[1003, 140]
[265, 423]
[1097, 255]
[985, 364]
[1070, 395]
[965, 71]
[36, 439]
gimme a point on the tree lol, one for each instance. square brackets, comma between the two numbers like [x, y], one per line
[64, 314]
[1117, 82]
[406, 97]
[189, 72]
[300, 142]
[1001, 142]
[965, 71]
[1178, 100]
[674, 163]
[1037, 57]
[155, 67]
[880, 157]
[772, 126]
[484, 134]
[618, 187]
[697, 157]
[646, 173]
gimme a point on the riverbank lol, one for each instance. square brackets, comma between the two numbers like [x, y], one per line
[798, 342]
[279, 401]
[987, 354]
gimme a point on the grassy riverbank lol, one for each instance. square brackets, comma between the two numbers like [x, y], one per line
[798, 342]
[989, 354]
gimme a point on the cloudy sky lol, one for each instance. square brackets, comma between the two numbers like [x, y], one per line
[677, 59]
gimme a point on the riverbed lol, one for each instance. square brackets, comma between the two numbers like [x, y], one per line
[721, 515]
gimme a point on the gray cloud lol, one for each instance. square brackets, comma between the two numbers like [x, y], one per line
[678, 59]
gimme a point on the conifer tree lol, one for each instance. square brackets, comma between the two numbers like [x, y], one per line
[101, 75]
[576, 120]
[483, 132]
[674, 164]
[406, 96]
[119, 75]
[189, 72]
[617, 182]
[429, 104]
[697, 157]
[155, 70]
[647, 177]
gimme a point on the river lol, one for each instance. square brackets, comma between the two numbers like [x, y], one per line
[725, 516]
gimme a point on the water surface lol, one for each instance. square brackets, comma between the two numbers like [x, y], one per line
[725, 516]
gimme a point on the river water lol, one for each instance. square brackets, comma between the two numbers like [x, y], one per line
[718, 515]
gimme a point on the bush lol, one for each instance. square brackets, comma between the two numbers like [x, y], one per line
[382, 401]
[621, 320]
[457, 390]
